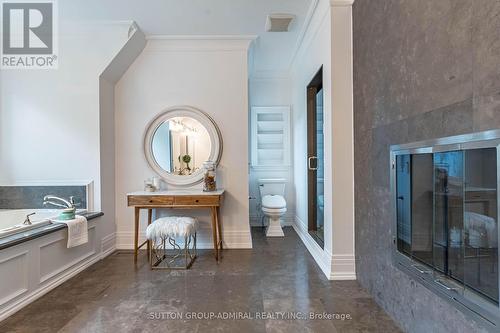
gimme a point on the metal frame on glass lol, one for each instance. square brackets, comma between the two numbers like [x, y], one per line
[182, 111]
[473, 305]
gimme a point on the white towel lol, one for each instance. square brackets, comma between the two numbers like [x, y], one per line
[78, 233]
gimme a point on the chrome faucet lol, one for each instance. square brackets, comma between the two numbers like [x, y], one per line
[27, 220]
[62, 203]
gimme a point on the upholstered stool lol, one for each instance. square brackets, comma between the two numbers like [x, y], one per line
[167, 229]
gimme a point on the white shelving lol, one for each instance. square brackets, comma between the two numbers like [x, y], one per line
[270, 136]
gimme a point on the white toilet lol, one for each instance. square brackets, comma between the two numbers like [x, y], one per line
[273, 204]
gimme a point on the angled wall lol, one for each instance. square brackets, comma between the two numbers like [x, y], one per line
[107, 80]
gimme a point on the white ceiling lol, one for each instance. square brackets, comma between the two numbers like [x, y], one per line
[272, 51]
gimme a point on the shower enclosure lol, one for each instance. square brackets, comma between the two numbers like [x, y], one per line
[315, 158]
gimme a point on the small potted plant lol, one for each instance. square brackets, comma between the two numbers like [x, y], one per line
[187, 159]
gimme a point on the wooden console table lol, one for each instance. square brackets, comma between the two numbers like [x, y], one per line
[183, 199]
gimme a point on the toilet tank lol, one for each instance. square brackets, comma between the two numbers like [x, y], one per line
[274, 186]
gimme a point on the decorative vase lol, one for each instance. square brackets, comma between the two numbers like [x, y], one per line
[209, 177]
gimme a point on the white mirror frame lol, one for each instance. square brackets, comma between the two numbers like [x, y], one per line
[183, 111]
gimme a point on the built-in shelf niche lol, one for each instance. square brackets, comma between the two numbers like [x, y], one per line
[270, 137]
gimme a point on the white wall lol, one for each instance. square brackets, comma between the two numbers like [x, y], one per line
[314, 52]
[343, 262]
[49, 128]
[49, 119]
[327, 42]
[271, 91]
[210, 74]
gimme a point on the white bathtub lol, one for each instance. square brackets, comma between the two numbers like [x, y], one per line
[11, 220]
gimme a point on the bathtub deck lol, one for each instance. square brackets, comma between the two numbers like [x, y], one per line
[28, 235]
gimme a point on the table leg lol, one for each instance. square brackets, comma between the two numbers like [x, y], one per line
[136, 233]
[217, 218]
[214, 232]
[149, 243]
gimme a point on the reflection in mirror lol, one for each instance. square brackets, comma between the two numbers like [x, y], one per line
[180, 145]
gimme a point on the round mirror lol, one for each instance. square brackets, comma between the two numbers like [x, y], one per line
[178, 141]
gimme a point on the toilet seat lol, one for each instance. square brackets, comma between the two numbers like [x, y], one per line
[274, 211]
[274, 202]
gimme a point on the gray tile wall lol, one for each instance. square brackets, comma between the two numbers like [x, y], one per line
[25, 197]
[422, 69]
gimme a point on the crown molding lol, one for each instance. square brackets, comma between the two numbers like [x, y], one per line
[126, 55]
[313, 9]
[133, 28]
[99, 22]
[341, 3]
[202, 37]
[265, 75]
[310, 13]
[199, 43]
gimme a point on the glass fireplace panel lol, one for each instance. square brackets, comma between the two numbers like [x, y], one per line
[448, 213]
[446, 229]
[414, 183]
[422, 207]
[481, 222]
[403, 188]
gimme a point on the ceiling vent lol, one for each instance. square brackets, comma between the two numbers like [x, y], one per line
[279, 22]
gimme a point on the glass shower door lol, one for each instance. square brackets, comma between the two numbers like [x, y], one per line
[320, 187]
[315, 159]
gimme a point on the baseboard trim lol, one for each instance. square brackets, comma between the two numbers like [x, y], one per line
[343, 267]
[233, 239]
[335, 267]
[314, 249]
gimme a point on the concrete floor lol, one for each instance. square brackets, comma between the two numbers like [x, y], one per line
[278, 275]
